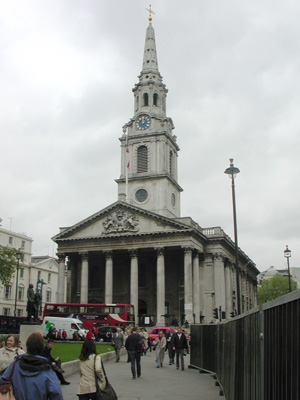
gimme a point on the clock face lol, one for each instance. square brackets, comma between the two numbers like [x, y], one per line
[142, 123]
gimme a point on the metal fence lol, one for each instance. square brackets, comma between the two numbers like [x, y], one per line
[10, 324]
[255, 356]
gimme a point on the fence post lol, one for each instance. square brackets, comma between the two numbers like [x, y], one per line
[261, 352]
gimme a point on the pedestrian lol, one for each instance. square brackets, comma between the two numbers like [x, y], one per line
[179, 345]
[134, 345]
[118, 342]
[54, 362]
[170, 338]
[160, 343]
[89, 364]
[90, 334]
[33, 377]
[9, 352]
[58, 336]
[144, 335]
[64, 334]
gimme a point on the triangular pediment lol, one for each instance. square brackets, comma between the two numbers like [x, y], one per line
[120, 219]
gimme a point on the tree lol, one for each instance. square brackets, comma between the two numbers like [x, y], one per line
[8, 263]
[274, 287]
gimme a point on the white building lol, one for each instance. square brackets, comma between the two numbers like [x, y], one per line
[31, 270]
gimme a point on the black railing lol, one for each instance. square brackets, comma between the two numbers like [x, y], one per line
[10, 324]
[255, 356]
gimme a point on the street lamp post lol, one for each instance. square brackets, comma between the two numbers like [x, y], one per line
[18, 256]
[287, 255]
[232, 171]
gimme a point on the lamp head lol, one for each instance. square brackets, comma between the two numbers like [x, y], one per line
[232, 171]
[287, 252]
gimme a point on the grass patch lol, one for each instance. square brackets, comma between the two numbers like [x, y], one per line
[70, 351]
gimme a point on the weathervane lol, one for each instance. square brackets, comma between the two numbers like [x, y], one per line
[150, 12]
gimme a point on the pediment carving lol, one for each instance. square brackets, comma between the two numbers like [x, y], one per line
[121, 221]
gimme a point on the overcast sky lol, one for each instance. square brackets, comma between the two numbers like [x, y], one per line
[232, 68]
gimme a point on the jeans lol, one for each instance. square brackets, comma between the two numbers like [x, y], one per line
[179, 352]
[135, 358]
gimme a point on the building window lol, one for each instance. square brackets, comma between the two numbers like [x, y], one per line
[23, 244]
[7, 292]
[171, 166]
[20, 293]
[155, 99]
[19, 313]
[21, 272]
[49, 278]
[48, 296]
[39, 275]
[141, 195]
[142, 159]
[146, 99]
[10, 240]
[6, 311]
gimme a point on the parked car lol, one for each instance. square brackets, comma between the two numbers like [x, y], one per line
[155, 331]
[105, 333]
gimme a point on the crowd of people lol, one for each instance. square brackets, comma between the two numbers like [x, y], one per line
[36, 374]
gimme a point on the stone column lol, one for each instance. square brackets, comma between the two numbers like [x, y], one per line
[209, 292]
[60, 297]
[188, 285]
[219, 274]
[73, 284]
[228, 289]
[84, 277]
[202, 285]
[160, 288]
[134, 282]
[196, 289]
[108, 277]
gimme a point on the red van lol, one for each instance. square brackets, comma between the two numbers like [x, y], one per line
[155, 331]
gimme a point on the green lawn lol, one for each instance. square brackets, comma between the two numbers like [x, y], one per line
[70, 351]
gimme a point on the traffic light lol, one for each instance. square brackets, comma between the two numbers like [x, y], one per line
[216, 313]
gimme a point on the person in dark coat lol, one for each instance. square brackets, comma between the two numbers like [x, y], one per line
[134, 344]
[55, 363]
[180, 345]
[33, 377]
[170, 337]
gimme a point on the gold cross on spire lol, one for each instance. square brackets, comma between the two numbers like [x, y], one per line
[150, 12]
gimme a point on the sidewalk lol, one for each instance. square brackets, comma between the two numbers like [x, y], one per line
[155, 383]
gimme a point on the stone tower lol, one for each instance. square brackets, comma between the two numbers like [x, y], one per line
[149, 150]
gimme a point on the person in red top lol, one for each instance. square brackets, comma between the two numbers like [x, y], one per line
[90, 335]
[64, 335]
[58, 336]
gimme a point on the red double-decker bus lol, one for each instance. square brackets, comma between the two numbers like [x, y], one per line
[93, 314]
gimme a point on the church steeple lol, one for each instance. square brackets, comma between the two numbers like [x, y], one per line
[149, 177]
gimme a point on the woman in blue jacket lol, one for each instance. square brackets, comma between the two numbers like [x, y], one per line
[33, 377]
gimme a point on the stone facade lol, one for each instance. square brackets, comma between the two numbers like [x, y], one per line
[139, 250]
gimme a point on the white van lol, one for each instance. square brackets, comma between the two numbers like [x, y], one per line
[70, 325]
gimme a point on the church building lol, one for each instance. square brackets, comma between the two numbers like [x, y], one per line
[140, 250]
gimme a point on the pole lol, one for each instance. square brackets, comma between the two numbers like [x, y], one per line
[15, 311]
[236, 248]
[288, 262]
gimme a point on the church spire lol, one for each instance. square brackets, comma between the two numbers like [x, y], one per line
[150, 64]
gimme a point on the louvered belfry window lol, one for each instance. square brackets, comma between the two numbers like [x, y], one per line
[171, 164]
[142, 159]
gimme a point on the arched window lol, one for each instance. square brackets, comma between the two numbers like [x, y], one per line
[155, 99]
[146, 99]
[142, 159]
[171, 165]
[137, 103]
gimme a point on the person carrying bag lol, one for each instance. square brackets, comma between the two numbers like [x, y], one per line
[108, 393]
[6, 389]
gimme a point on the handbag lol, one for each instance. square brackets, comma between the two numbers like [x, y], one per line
[6, 389]
[108, 393]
